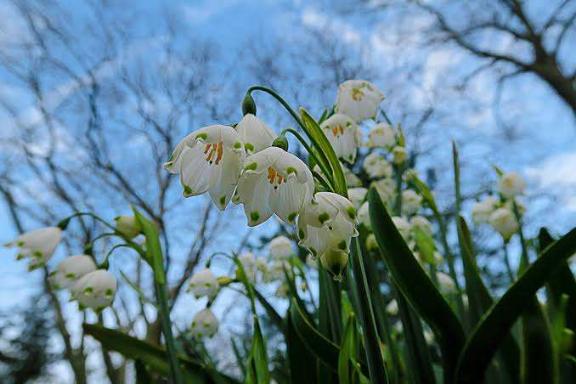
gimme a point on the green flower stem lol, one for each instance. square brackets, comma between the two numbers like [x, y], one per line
[66, 220]
[509, 268]
[525, 259]
[325, 162]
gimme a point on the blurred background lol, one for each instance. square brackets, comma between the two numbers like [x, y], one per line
[94, 95]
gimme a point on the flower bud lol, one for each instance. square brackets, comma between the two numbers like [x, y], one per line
[399, 155]
[445, 282]
[204, 324]
[335, 260]
[511, 184]
[128, 226]
[281, 248]
[371, 243]
[70, 270]
[95, 290]
[248, 105]
[392, 308]
[204, 283]
[281, 142]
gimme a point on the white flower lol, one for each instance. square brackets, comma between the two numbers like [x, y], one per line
[504, 222]
[351, 179]
[95, 289]
[376, 166]
[399, 155]
[70, 270]
[204, 283]
[364, 215]
[325, 227]
[445, 282]
[255, 134]
[248, 261]
[382, 135]
[274, 181]
[276, 270]
[482, 210]
[386, 189]
[519, 205]
[128, 226]
[411, 202]
[38, 245]
[343, 134]
[204, 324]
[421, 223]
[403, 226]
[209, 160]
[281, 248]
[392, 308]
[357, 196]
[511, 184]
[371, 243]
[358, 99]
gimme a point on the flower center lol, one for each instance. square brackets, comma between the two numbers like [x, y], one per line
[337, 130]
[214, 152]
[275, 178]
[357, 94]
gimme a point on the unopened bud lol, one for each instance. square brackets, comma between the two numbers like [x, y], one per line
[248, 105]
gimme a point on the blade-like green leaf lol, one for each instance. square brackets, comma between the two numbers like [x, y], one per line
[480, 301]
[302, 363]
[272, 314]
[349, 370]
[153, 249]
[258, 371]
[142, 374]
[415, 285]
[317, 343]
[153, 357]
[497, 322]
[320, 141]
[538, 362]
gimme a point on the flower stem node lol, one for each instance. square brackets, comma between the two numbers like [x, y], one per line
[248, 105]
[281, 142]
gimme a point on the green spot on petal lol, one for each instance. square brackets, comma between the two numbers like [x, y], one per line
[290, 170]
[301, 234]
[342, 245]
[254, 216]
[237, 145]
[251, 166]
[187, 191]
[323, 217]
[223, 201]
[249, 147]
[202, 136]
[292, 216]
[351, 212]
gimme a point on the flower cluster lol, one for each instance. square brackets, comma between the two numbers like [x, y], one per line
[502, 213]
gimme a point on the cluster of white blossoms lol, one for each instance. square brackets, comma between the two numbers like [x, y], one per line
[498, 212]
[91, 287]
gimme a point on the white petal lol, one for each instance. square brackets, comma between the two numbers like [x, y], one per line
[288, 199]
[224, 177]
[254, 192]
[194, 171]
[255, 134]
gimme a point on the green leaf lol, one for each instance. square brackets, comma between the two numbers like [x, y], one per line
[258, 371]
[497, 322]
[415, 285]
[272, 314]
[155, 358]
[301, 361]
[324, 147]
[480, 301]
[563, 283]
[142, 374]
[153, 248]
[317, 343]
[539, 365]
[349, 370]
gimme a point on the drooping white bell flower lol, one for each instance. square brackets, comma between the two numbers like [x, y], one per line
[392, 308]
[357, 196]
[511, 184]
[411, 202]
[403, 226]
[274, 181]
[445, 282]
[209, 160]
[281, 248]
[504, 222]
[482, 210]
[37, 245]
[519, 206]
[325, 227]
[343, 134]
[399, 155]
[70, 270]
[382, 135]
[255, 134]
[95, 289]
[204, 283]
[421, 223]
[128, 226]
[276, 270]
[204, 324]
[358, 99]
[376, 166]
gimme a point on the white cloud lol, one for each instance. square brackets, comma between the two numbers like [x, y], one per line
[555, 172]
[336, 26]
